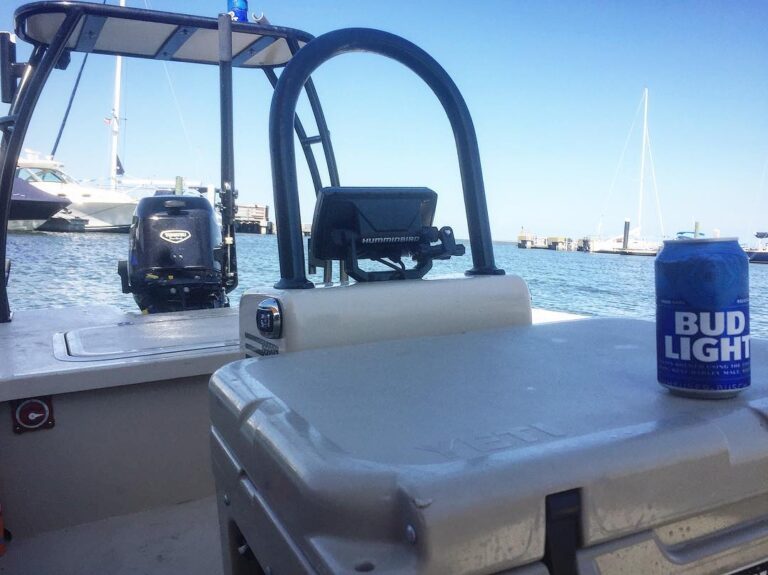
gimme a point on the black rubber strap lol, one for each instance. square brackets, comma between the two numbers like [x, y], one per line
[563, 532]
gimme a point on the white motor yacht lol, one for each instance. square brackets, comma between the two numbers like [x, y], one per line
[31, 207]
[105, 209]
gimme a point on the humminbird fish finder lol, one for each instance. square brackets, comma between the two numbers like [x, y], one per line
[383, 225]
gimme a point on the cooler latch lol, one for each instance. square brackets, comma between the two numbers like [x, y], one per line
[563, 532]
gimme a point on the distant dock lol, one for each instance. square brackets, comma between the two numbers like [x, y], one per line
[624, 245]
[253, 219]
[557, 243]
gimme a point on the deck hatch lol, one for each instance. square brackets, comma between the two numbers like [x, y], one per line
[150, 336]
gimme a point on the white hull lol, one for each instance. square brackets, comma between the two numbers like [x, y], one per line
[104, 214]
[102, 207]
[636, 246]
[24, 225]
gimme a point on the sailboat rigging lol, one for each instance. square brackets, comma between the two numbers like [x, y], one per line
[115, 123]
[629, 243]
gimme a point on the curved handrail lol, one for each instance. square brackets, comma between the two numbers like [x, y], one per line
[31, 85]
[282, 148]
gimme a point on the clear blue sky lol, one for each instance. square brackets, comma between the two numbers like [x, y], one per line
[553, 88]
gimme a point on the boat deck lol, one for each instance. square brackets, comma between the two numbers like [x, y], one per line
[64, 350]
[109, 384]
[181, 539]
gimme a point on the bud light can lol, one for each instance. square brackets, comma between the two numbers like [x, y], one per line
[702, 317]
[238, 9]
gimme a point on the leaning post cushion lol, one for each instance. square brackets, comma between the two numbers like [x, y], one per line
[329, 316]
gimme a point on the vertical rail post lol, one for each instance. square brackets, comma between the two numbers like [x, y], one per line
[228, 193]
[38, 69]
[330, 157]
[306, 146]
[322, 125]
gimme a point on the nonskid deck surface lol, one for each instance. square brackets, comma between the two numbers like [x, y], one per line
[73, 349]
[181, 539]
[177, 540]
[54, 351]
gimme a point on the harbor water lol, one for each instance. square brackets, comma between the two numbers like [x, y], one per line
[59, 270]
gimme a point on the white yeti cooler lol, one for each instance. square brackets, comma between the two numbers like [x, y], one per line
[517, 451]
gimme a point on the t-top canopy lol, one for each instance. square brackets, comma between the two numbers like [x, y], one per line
[116, 30]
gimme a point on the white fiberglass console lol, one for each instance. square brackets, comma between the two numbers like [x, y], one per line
[295, 320]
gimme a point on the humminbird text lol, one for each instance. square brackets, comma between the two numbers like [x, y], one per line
[391, 240]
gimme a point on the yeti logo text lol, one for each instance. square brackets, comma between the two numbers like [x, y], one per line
[175, 236]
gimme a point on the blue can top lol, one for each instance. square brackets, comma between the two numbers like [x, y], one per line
[705, 273]
[698, 241]
[238, 9]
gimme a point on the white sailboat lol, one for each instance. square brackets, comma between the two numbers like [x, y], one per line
[631, 242]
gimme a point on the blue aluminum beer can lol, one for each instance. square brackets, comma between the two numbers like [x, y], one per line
[238, 9]
[702, 317]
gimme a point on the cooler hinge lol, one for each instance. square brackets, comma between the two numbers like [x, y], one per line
[563, 532]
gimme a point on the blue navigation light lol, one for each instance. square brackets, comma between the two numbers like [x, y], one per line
[238, 9]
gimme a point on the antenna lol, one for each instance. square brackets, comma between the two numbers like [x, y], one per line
[642, 160]
[115, 120]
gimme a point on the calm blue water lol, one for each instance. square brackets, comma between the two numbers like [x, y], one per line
[57, 270]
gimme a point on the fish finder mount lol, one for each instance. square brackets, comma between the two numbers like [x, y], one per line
[383, 225]
[285, 179]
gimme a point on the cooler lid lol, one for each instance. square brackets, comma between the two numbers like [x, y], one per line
[465, 436]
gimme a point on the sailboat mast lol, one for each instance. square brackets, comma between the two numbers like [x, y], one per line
[642, 160]
[115, 123]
